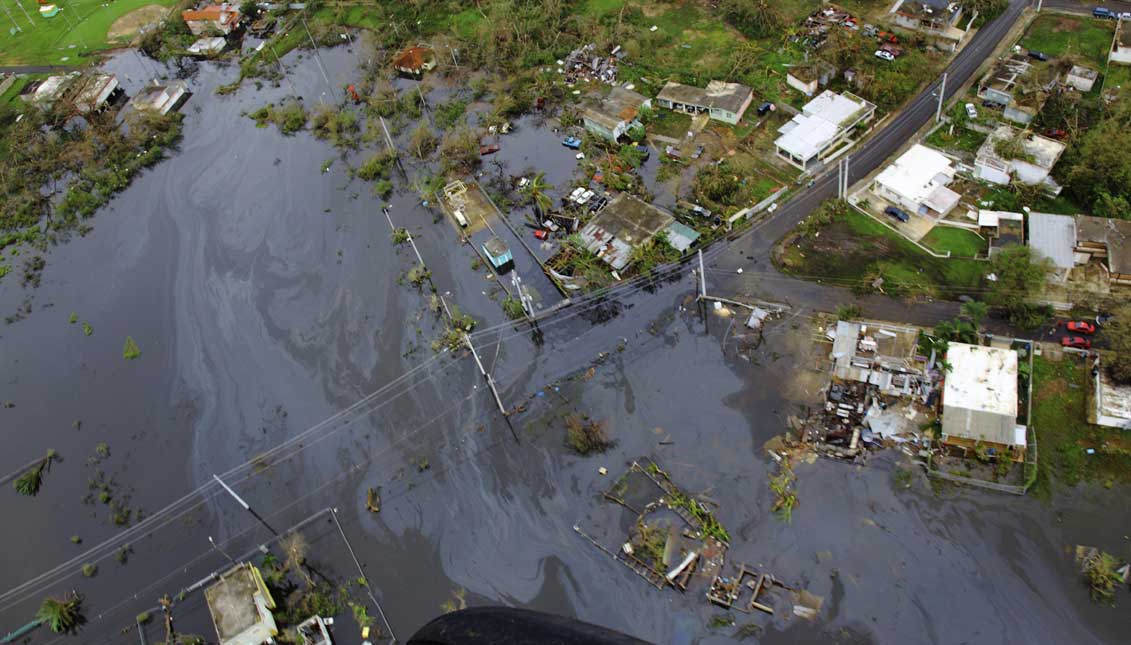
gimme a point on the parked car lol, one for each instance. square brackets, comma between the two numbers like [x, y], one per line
[1103, 319]
[698, 152]
[897, 213]
[1036, 55]
[571, 142]
[699, 210]
[585, 197]
[766, 107]
[541, 234]
[1078, 342]
[577, 192]
[993, 105]
[1055, 133]
[549, 225]
[970, 111]
[488, 149]
[1081, 327]
[1103, 12]
[1126, 15]
[885, 55]
[598, 204]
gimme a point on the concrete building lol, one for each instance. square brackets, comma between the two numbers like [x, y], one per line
[159, 98]
[208, 46]
[1112, 408]
[1002, 228]
[825, 127]
[615, 114]
[941, 19]
[807, 79]
[414, 61]
[1081, 78]
[980, 400]
[627, 223]
[240, 605]
[1053, 237]
[1032, 166]
[1014, 84]
[1120, 51]
[726, 102]
[882, 355]
[1069, 241]
[917, 182]
[76, 91]
[218, 18]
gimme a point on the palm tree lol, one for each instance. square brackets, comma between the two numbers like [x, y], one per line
[62, 615]
[976, 311]
[295, 546]
[536, 189]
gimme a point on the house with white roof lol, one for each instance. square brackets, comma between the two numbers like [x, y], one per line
[980, 401]
[823, 129]
[917, 182]
[1009, 153]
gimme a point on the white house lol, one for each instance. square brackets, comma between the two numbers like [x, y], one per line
[615, 114]
[726, 102]
[218, 18]
[825, 127]
[1081, 78]
[917, 182]
[159, 98]
[980, 400]
[1032, 166]
[1120, 51]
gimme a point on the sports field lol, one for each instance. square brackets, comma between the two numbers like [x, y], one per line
[80, 28]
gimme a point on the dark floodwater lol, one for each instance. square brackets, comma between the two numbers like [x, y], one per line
[264, 296]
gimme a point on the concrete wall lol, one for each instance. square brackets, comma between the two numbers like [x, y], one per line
[808, 89]
[1120, 55]
[986, 172]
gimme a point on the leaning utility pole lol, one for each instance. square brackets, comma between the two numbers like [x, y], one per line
[942, 96]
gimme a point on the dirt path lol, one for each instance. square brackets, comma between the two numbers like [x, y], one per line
[129, 24]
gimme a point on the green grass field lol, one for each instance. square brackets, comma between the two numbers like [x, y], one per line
[68, 38]
[854, 249]
[959, 241]
[1060, 402]
[1057, 35]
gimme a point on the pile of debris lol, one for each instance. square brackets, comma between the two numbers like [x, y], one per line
[817, 26]
[584, 63]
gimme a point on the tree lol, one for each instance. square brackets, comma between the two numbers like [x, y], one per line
[62, 615]
[1019, 274]
[975, 312]
[1118, 334]
[423, 141]
[1099, 168]
[536, 189]
[754, 18]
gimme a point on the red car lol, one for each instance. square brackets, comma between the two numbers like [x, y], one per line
[1081, 327]
[1079, 342]
[541, 234]
[1055, 133]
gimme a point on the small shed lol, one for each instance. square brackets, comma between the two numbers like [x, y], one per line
[499, 254]
[240, 605]
[414, 61]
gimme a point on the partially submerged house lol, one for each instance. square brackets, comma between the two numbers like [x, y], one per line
[941, 19]
[159, 98]
[1068, 241]
[208, 46]
[1081, 78]
[615, 114]
[810, 77]
[414, 61]
[240, 605]
[1013, 84]
[1009, 154]
[626, 224]
[220, 19]
[980, 400]
[78, 92]
[825, 128]
[881, 355]
[726, 102]
[917, 182]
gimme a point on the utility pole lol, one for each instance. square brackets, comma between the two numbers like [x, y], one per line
[942, 95]
[247, 507]
[220, 551]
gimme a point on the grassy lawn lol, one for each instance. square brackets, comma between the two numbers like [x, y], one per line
[79, 29]
[1060, 400]
[1057, 35]
[850, 249]
[959, 241]
[670, 124]
[962, 139]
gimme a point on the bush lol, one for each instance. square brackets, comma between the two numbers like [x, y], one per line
[586, 436]
[376, 166]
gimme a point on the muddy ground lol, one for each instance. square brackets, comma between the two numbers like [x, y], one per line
[263, 294]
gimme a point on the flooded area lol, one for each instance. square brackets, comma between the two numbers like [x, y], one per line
[283, 350]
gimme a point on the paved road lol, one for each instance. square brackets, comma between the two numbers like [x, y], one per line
[1085, 6]
[752, 251]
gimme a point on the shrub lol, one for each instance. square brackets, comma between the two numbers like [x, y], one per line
[586, 436]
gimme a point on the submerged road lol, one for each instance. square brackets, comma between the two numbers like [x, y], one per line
[752, 252]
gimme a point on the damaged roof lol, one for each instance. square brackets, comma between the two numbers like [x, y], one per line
[624, 225]
[718, 94]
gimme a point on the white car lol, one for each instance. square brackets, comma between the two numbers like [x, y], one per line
[576, 194]
[1126, 15]
[885, 55]
[585, 197]
[970, 111]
